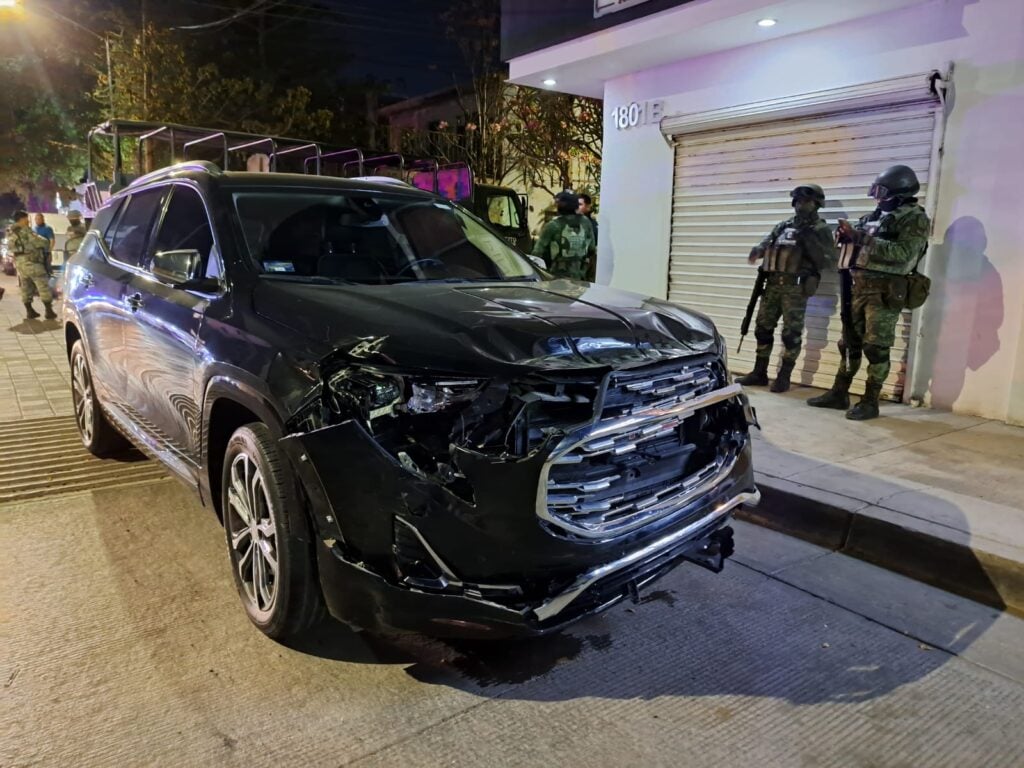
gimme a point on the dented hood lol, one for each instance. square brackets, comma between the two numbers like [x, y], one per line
[474, 328]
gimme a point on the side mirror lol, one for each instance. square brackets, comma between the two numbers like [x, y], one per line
[176, 267]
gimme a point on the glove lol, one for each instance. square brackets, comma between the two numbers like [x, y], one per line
[756, 254]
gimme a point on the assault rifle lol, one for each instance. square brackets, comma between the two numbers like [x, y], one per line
[755, 295]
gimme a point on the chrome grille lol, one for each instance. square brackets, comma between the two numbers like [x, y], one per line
[634, 463]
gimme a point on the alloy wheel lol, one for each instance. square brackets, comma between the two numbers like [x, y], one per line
[81, 395]
[253, 534]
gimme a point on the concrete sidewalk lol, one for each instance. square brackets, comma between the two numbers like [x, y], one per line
[35, 381]
[932, 495]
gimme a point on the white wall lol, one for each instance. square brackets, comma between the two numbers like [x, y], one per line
[970, 355]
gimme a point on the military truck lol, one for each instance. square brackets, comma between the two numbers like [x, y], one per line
[122, 150]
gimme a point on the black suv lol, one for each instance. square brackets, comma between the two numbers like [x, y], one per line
[393, 412]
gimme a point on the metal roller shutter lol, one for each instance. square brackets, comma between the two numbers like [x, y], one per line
[732, 186]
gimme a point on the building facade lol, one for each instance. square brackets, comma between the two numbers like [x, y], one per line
[712, 115]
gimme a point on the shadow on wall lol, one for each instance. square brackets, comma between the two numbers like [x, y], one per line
[960, 322]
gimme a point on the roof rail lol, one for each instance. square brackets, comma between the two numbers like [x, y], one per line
[382, 180]
[200, 166]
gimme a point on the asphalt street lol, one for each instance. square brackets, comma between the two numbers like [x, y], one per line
[124, 644]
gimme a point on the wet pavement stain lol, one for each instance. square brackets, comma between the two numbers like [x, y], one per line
[490, 663]
[600, 642]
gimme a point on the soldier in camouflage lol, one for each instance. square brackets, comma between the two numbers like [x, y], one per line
[567, 243]
[76, 232]
[30, 260]
[793, 254]
[879, 251]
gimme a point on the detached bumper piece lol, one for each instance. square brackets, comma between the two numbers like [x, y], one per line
[357, 595]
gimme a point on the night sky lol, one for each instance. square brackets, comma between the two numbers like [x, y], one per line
[402, 42]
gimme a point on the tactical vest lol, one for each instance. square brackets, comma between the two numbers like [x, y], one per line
[849, 252]
[785, 254]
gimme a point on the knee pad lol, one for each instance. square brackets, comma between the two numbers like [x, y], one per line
[791, 340]
[764, 337]
[876, 354]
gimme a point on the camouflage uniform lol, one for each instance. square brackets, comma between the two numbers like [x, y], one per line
[76, 234]
[794, 253]
[786, 293]
[567, 245]
[30, 260]
[892, 244]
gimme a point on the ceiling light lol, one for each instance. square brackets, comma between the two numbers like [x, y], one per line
[767, 23]
[550, 82]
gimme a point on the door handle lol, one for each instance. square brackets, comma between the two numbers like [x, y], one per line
[134, 302]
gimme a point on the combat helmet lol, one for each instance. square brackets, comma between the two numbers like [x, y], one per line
[895, 181]
[813, 191]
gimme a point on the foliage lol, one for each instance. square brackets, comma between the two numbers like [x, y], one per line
[155, 78]
[42, 113]
[554, 136]
[475, 26]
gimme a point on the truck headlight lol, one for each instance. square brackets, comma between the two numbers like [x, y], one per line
[433, 396]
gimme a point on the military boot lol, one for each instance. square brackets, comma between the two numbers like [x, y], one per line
[838, 397]
[781, 383]
[49, 314]
[30, 313]
[867, 408]
[757, 377]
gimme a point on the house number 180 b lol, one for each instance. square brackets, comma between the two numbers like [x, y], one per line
[637, 113]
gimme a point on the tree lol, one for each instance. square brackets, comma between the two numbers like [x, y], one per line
[555, 137]
[475, 26]
[155, 78]
[45, 102]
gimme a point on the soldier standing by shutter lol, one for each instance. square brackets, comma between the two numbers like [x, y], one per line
[794, 254]
[30, 260]
[879, 251]
[567, 242]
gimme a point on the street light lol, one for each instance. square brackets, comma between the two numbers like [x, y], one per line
[105, 37]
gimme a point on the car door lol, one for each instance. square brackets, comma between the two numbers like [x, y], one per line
[96, 283]
[92, 288]
[166, 316]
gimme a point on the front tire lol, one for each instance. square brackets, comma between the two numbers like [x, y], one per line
[270, 545]
[98, 435]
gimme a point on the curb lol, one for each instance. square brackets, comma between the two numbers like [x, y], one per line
[954, 563]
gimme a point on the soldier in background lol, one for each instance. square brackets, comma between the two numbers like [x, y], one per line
[567, 243]
[794, 254]
[879, 251]
[30, 260]
[76, 232]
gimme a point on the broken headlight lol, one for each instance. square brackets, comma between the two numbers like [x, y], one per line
[367, 394]
[372, 394]
[434, 396]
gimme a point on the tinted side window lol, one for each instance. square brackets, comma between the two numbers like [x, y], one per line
[185, 226]
[133, 228]
[104, 218]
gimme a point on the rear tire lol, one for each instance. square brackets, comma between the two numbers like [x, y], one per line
[270, 545]
[98, 435]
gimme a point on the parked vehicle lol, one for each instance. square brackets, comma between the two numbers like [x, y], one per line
[154, 144]
[393, 413]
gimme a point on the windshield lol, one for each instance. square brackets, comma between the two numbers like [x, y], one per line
[372, 239]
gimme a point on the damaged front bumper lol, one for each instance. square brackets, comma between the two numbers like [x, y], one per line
[527, 544]
[359, 596]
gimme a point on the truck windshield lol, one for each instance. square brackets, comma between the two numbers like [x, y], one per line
[371, 238]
